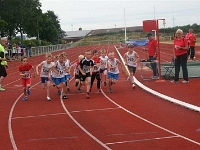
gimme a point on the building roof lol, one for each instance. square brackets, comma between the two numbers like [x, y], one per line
[115, 30]
[76, 34]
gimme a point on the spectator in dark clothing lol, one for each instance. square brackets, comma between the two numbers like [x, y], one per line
[28, 50]
[22, 48]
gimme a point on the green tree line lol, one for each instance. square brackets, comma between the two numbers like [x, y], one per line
[26, 17]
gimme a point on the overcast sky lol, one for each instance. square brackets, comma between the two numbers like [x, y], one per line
[95, 14]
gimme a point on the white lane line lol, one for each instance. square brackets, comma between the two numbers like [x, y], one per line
[11, 82]
[56, 138]
[38, 116]
[127, 134]
[10, 121]
[145, 120]
[81, 127]
[57, 114]
[92, 110]
[142, 140]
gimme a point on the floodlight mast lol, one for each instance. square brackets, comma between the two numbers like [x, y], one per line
[124, 26]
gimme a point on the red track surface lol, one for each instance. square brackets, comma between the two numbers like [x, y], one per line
[125, 119]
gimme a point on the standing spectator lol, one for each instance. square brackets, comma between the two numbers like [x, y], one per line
[28, 50]
[180, 55]
[3, 62]
[152, 51]
[22, 48]
[192, 41]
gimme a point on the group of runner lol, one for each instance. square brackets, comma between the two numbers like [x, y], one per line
[90, 66]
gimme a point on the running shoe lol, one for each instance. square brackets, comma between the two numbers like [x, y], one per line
[173, 81]
[2, 89]
[79, 90]
[48, 98]
[110, 90]
[99, 91]
[87, 95]
[64, 97]
[184, 81]
[133, 85]
[25, 98]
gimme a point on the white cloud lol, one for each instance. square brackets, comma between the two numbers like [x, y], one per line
[94, 14]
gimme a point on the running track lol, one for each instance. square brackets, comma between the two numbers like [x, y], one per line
[125, 119]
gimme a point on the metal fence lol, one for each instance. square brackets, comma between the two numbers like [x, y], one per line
[37, 50]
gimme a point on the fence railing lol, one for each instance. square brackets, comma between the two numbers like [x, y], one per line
[36, 50]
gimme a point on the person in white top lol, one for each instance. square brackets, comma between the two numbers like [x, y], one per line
[131, 58]
[67, 72]
[78, 83]
[59, 75]
[103, 66]
[113, 70]
[46, 67]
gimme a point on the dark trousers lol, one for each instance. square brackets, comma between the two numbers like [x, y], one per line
[154, 66]
[97, 76]
[181, 61]
[191, 52]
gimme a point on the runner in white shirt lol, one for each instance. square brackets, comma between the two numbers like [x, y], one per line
[113, 70]
[78, 83]
[59, 76]
[67, 72]
[103, 66]
[46, 67]
[131, 58]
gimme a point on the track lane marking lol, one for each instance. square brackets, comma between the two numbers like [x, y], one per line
[57, 114]
[55, 138]
[142, 140]
[127, 134]
[10, 120]
[93, 110]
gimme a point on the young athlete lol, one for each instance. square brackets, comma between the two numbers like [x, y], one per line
[113, 70]
[103, 66]
[46, 67]
[85, 70]
[55, 59]
[59, 75]
[96, 73]
[131, 58]
[76, 73]
[25, 73]
[67, 72]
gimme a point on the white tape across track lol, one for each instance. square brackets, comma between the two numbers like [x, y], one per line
[165, 97]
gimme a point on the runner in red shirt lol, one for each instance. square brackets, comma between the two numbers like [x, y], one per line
[96, 71]
[25, 73]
